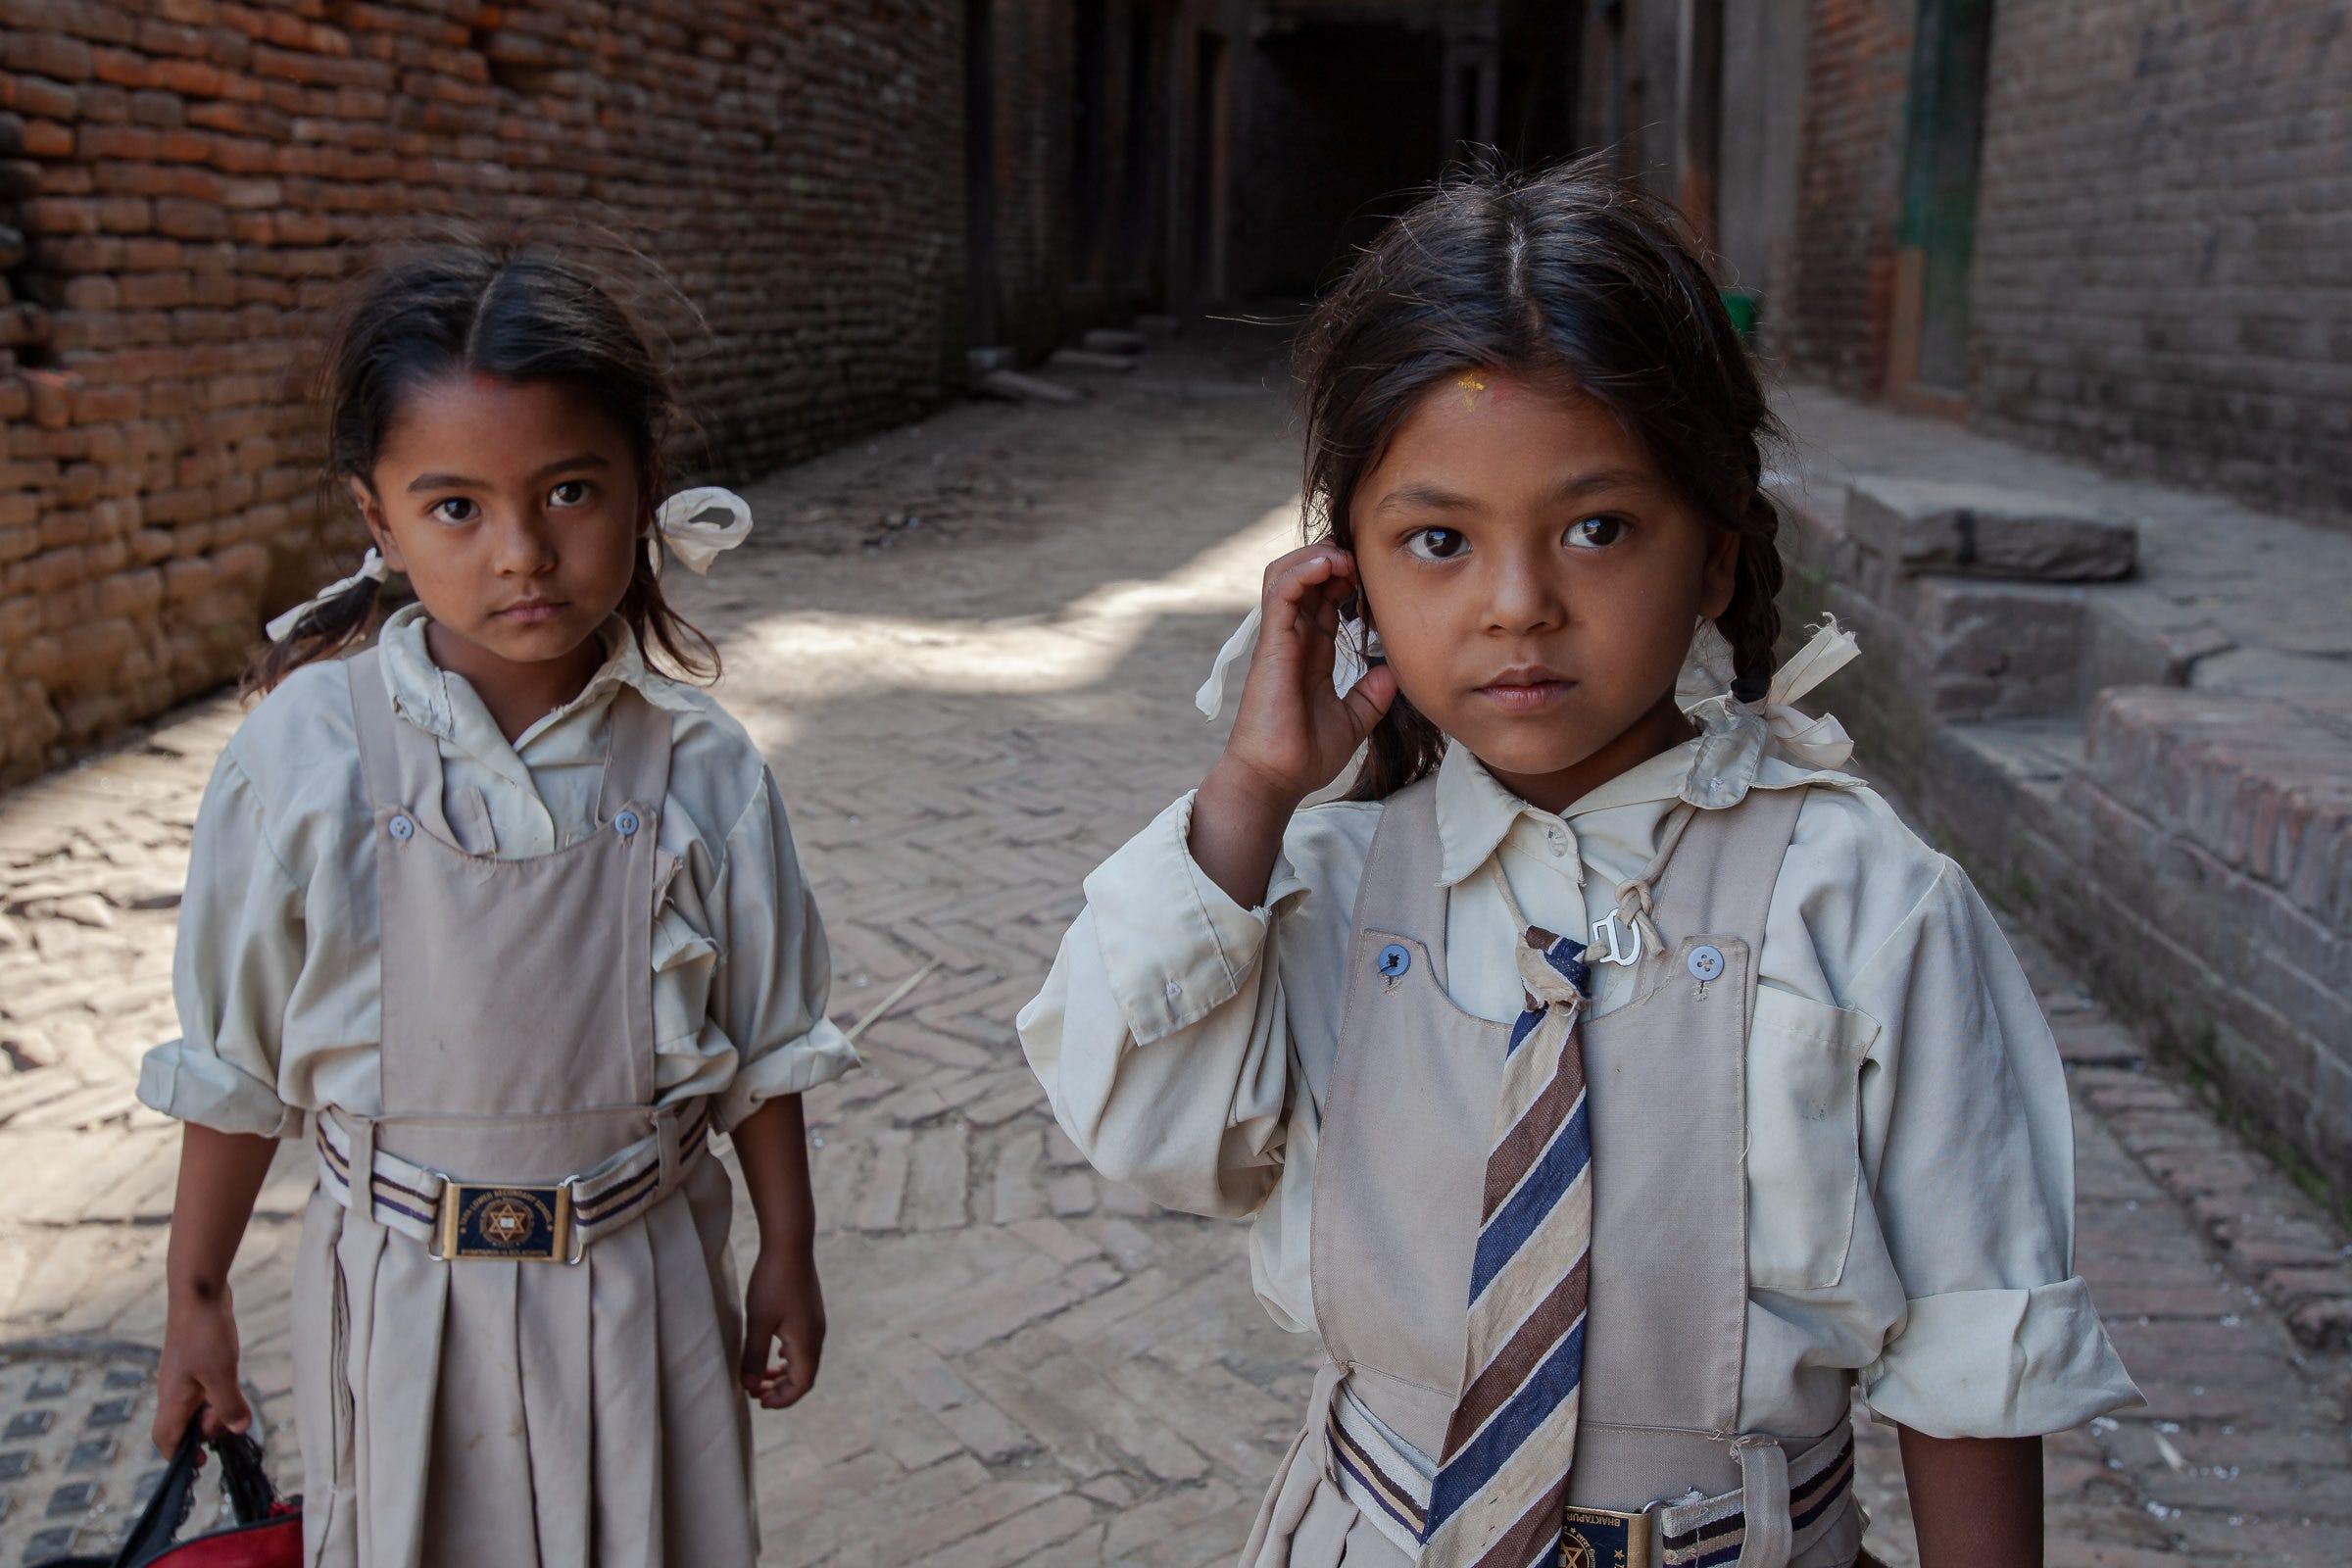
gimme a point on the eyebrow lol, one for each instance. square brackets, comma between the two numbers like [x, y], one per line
[458, 481]
[1428, 496]
[1600, 479]
[1436, 498]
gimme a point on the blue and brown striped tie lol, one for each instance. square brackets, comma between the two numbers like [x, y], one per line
[1502, 1479]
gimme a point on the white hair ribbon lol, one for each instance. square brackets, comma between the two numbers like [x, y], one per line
[371, 570]
[699, 524]
[1813, 742]
[1226, 677]
[1735, 735]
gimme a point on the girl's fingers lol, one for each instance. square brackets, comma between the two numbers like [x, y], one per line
[1303, 607]
[227, 1413]
[800, 1351]
[1368, 699]
[759, 1333]
[174, 1406]
[1320, 569]
[1321, 555]
[219, 1400]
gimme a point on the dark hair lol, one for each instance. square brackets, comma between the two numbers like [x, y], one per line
[1570, 277]
[518, 310]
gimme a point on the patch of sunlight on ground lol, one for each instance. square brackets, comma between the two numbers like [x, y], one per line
[832, 655]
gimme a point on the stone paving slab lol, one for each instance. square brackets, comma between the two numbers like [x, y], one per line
[1029, 1364]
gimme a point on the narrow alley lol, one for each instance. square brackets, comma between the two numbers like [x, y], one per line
[969, 648]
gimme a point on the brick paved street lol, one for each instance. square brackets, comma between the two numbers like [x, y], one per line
[969, 650]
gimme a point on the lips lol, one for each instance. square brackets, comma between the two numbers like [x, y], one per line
[530, 612]
[1525, 689]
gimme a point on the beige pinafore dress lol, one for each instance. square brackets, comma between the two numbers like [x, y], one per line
[487, 1409]
[1398, 1174]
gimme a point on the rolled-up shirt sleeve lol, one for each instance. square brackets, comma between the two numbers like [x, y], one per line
[1968, 1144]
[1160, 1035]
[774, 972]
[233, 970]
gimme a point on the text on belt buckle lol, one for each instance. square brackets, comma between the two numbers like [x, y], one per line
[1603, 1538]
[528, 1223]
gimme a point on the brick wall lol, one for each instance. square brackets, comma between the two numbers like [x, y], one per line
[2160, 281]
[1841, 297]
[2188, 852]
[184, 181]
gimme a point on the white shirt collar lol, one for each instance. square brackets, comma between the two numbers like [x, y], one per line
[429, 697]
[1476, 812]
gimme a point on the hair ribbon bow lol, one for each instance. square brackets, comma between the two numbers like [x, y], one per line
[1734, 736]
[699, 526]
[1222, 691]
[371, 570]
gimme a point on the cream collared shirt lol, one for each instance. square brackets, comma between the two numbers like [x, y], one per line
[1910, 1160]
[275, 972]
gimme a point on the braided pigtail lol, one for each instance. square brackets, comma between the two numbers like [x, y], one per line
[1751, 621]
[1403, 747]
[324, 630]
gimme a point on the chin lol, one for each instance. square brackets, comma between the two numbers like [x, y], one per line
[1527, 755]
[534, 645]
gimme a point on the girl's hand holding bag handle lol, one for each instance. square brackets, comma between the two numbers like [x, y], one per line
[268, 1533]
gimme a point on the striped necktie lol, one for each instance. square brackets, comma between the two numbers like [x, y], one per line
[1502, 1479]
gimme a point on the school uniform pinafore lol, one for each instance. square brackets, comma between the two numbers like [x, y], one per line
[519, 1345]
[1661, 1472]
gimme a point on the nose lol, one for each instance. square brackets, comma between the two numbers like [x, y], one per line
[1523, 596]
[525, 547]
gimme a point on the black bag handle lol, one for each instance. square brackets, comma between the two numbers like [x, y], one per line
[242, 1480]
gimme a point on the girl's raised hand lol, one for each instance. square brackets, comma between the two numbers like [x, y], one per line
[1293, 733]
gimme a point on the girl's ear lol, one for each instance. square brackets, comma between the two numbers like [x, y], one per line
[1720, 575]
[371, 512]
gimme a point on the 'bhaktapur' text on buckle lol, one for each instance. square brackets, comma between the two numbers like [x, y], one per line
[1603, 1538]
[532, 1224]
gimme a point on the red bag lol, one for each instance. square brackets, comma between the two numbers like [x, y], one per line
[268, 1533]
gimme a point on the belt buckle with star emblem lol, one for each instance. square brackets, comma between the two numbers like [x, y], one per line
[522, 1223]
[1604, 1538]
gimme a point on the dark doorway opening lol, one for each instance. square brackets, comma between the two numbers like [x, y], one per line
[1089, 61]
[1208, 145]
[1345, 119]
[1537, 122]
[1143, 187]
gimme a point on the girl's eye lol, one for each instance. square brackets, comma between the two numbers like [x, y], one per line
[1437, 544]
[570, 493]
[456, 509]
[1596, 533]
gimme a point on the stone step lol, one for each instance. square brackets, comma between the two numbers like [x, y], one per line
[1989, 530]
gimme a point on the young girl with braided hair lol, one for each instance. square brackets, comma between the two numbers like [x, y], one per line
[505, 922]
[1614, 1084]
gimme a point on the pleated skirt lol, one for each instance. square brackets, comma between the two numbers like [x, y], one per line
[587, 1415]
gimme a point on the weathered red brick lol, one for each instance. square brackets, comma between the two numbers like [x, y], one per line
[47, 54]
[192, 78]
[38, 97]
[46, 138]
[122, 68]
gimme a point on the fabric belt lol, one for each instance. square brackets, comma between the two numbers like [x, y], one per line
[557, 1223]
[1784, 1503]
